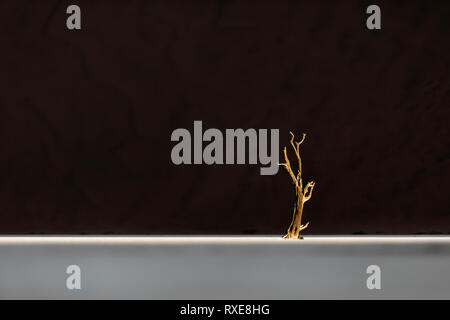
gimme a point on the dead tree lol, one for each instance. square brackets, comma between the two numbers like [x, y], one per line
[302, 194]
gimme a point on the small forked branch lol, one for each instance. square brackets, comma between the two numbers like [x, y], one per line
[296, 147]
[297, 179]
[309, 187]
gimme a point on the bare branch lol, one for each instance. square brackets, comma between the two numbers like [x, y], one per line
[302, 194]
[292, 141]
[303, 227]
[287, 165]
[296, 147]
[309, 187]
[303, 139]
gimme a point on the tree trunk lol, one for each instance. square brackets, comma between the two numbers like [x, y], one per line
[295, 226]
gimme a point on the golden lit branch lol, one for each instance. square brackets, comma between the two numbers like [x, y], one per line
[303, 194]
[296, 147]
[309, 187]
[287, 165]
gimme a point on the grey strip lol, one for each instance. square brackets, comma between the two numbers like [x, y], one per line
[233, 267]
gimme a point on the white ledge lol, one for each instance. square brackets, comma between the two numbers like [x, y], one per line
[224, 267]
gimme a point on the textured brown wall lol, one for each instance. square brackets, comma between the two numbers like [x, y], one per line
[86, 116]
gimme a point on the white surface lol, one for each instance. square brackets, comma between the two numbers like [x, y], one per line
[232, 267]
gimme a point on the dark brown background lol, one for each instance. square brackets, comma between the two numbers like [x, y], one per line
[86, 116]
